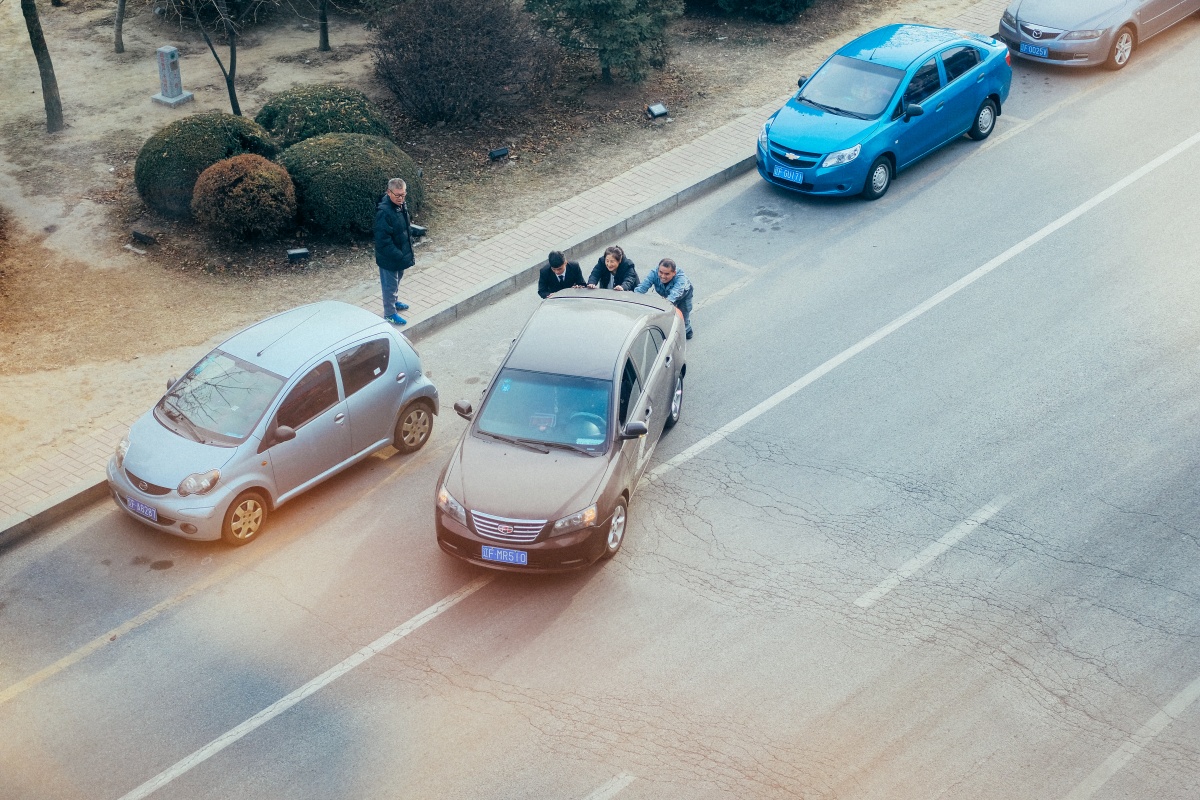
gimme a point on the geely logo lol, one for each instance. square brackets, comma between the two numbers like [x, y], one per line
[505, 528]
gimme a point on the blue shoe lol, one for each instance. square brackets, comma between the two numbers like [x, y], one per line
[401, 306]
[396, 319]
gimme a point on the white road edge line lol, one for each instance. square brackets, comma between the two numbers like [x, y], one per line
[922, 559]
[612, 788]
[945, 294]
[313, 686]
[1135, 743]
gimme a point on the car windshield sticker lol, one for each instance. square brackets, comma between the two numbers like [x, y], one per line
[505, 385]
[541, 421]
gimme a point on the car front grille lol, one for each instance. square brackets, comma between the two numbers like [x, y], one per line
[1040, 34]
[146, 486]
[800, 159]
[516, 531]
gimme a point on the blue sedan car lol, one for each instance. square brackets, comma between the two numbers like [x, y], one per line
[880, 103]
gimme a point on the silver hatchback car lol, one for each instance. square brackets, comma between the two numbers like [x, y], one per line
[273, 411]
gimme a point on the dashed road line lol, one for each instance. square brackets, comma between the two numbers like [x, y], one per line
[612, 788]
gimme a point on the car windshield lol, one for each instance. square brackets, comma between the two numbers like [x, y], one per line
[548, 409]
[219, 401]
[852, 87]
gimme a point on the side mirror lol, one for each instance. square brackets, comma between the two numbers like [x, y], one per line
[803, 80]
[284, 433]
[464, 410]
[913, 110]
[634, 430]
[170, 383]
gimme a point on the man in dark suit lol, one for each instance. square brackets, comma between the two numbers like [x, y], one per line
[613, 271]
[559, 274]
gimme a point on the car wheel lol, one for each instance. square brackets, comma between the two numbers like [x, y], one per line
[985, 121]
[616, 530]
[413, 427]
[1122, 49]
[879, 178]
[245, 518]
[676, 403]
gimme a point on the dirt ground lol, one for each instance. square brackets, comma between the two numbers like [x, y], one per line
[88, 326]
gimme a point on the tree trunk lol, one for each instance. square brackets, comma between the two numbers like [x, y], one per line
[232, 73]
[118, 42]
[323, 25]
[54, 113]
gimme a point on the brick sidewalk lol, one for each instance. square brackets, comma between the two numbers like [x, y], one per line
[73, 475]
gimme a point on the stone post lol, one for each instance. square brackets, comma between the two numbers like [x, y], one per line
[170, 84]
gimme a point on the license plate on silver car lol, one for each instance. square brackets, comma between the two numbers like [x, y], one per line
[505, 556]
[141, 509]
[1034, 50]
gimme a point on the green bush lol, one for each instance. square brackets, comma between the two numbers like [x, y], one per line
[770, 10]
[307, 111]
[245, 197]
[340, 178]
[172, 159]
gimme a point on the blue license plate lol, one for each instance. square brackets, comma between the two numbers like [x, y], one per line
[504, 556]
[788, 174]
[141, 508]
[1034, 50]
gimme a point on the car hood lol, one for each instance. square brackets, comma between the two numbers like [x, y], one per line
[510, 481]
[1069, 15]
[801, 127]
[162, 457]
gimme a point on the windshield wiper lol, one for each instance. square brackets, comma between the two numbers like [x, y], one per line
[175, 414]
[569, 446]
[833, 109]
[527, 443]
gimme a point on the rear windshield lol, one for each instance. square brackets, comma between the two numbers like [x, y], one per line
[219, 401]
[848, 85]
[548, 408]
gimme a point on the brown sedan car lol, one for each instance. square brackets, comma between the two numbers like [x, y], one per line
[542, 477]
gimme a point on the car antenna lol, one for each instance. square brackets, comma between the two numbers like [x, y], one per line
[285, 333]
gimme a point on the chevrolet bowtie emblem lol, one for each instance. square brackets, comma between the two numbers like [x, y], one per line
[791, 156]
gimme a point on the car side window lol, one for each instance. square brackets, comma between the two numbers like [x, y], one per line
[315, 393]
[631, 389]
[658, 336]
[643, 353]
[924, 83]
[363, 363]
[958, 60]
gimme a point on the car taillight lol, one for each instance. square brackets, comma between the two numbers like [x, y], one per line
[1008, 56]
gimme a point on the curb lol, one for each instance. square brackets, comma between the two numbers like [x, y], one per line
[54, 508]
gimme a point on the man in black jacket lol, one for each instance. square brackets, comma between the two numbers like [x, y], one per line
[613, 271]
[559, 274]
[393, 246]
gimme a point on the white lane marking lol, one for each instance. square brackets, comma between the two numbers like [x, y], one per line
[313, 686]
[922, 559]
[612, 788]
[1135, 743]
[887, 330]
[708, 254]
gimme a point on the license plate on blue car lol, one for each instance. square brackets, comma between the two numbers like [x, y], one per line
[141, 509]
[788, 174]
[505, 556]
[1034, 50]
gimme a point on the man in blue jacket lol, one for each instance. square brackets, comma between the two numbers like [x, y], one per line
[393, 247]
[670, 282]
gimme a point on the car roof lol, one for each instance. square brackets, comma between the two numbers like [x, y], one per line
[898, 46]
[285, 342]
[582, 331]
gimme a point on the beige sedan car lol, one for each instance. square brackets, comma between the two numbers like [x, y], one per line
[542, 477]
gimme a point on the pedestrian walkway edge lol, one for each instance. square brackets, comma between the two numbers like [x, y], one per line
[49, 510]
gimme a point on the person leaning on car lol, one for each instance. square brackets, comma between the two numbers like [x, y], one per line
[559, 274]
[669, 282]
[613, 271]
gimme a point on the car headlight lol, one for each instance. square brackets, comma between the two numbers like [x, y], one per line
[199, 483]
[1076, 36]
[122, 449]
[842, 156]
[1009, 20]
[451, 507]
[580, 519]
[762, 135]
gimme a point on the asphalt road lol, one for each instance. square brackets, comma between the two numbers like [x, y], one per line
[927, 529]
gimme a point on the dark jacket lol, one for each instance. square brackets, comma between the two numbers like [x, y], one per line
[626, 276]
[548, 282]
[393, 236]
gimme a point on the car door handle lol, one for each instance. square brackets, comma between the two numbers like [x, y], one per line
[667, 361]
[400, 377]
[339, 419]
[939, 107]
[649, 411]
[982, 75]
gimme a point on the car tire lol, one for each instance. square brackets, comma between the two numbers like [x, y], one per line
[616, 529]
[1122, 49]
[676, 407]
[413, 426]
[245, 518]
[879, 178]
[985, 121]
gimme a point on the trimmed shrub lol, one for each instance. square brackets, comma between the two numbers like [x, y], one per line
[172, 159]
[340, 178]
[456, 60]
[307, 111]
[245, 197]
[769, 10]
